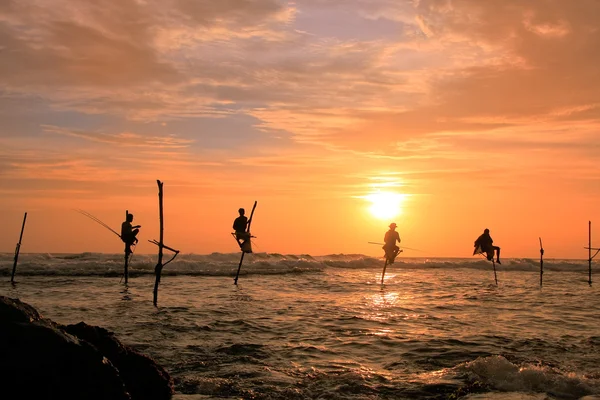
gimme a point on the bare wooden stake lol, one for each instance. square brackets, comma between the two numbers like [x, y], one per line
[159, 263]
[17, 249]
[161, 244]
[541, 262]
[590, 252]
[126, 266]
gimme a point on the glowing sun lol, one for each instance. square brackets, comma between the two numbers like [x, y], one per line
[385, 205]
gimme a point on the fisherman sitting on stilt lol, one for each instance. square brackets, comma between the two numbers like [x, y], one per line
[129, 233]
[390, 248]
[241, 235]
[483, 244]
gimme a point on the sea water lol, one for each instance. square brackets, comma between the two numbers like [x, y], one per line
[304, 327]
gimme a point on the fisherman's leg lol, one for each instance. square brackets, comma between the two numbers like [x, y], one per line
[497, 254]
[134, 235]
[393, 254]
[242, 238]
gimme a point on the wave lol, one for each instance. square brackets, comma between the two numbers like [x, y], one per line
[495, 377]
[225, 264]
[497, 373]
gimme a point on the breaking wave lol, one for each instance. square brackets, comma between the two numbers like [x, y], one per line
[225, 264]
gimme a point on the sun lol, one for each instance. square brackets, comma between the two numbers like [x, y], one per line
[385, 205]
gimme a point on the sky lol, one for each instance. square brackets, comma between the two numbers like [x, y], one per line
[337, 116]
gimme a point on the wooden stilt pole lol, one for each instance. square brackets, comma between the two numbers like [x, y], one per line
[17, 249]
[590, 253]
[495, 276]
[384, 267]
[541, 262]
[237, 275]
[126, 266]
[159, 264]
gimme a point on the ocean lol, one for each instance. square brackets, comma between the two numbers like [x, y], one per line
[308, 327]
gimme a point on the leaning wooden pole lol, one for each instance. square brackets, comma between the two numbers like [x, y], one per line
[541, 262]
[590, 252]
[495, 276]
[384, 267]
[159, 263]
[17, 249]
[237, 275]
[126, 266]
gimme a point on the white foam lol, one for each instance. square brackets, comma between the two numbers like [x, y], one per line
[501, 374]
[99, 264]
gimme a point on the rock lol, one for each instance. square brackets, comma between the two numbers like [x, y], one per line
[39, 359]
[143, 378]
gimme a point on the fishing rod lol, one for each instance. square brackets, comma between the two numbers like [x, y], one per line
[402, 247]
[93, 218]
[128, 255]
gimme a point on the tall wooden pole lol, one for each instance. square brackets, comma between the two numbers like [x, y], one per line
[126, 267]
[590, 252]
[384, 267]
[159, 264]
[17, 249]
[541, 262]
[495, 276]
[237, 275]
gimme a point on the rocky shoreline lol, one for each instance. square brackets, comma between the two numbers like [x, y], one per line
[42, 359]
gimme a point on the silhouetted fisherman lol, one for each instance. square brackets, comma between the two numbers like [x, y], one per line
[239, 226]
[484, 242]
[129, 233]
[390, 239]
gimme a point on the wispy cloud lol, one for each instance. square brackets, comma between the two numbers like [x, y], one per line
[124, 138]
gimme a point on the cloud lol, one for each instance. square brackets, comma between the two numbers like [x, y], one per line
[124, 138]
[444, 76]
[535, 62]
[94, 44]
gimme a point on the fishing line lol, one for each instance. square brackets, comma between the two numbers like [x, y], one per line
[97, 220]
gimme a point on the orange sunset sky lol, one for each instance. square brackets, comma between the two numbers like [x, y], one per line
[472, 114]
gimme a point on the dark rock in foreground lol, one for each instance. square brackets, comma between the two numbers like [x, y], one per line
[143, 378]
[41, 359]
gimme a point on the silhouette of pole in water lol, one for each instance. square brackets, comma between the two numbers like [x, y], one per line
[17, 249]
[482, 254]
[160, 243]
[126, 266]
[384, 267]
[237, 275]
[541, 261]
[590, 256]
[159, 264]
